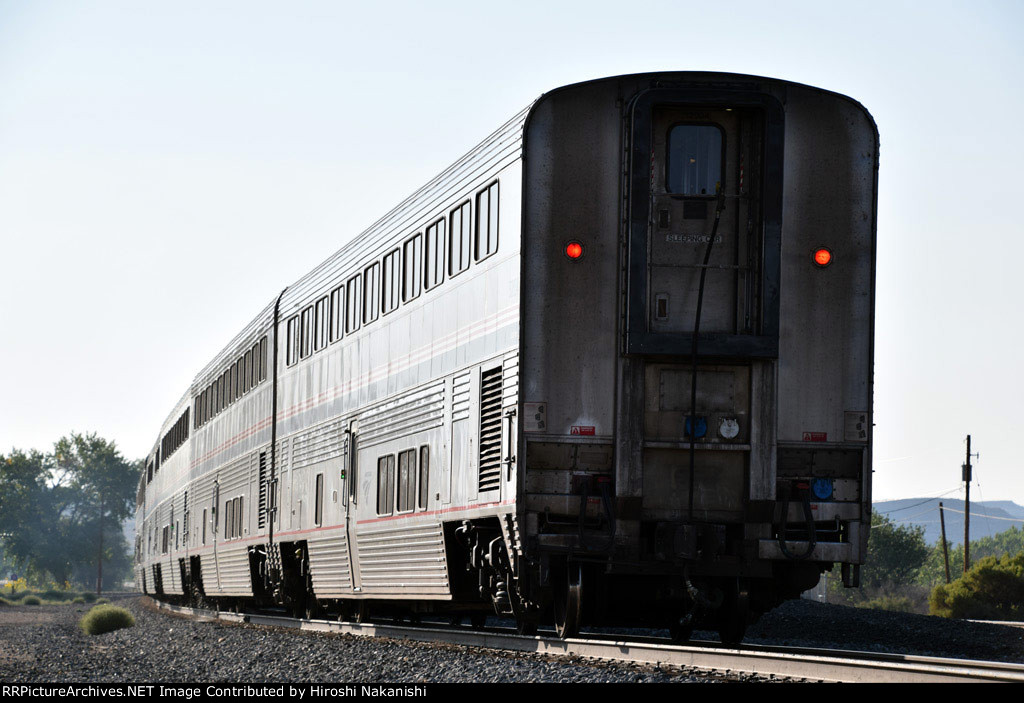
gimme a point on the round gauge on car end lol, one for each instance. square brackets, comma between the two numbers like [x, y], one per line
[729, 428]
[822, 488]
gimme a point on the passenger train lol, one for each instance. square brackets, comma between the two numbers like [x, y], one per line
[614, 365]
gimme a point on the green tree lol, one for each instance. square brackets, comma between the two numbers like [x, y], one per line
[31, 504]
[56, 508]
[895, 552]
[103, 485]
[993, 589]
[933, 572]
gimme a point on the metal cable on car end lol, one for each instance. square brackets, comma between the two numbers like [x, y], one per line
[696, 330]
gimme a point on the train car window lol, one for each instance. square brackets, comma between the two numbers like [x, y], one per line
[337, 313]
[424, 475]
[371, 292]
[165, 542]
[460, 239]
[246, 370]
[486, 241]
[204, 525]
[238, 516]
[307, 333]
[413, 265]
[255, 376]
[406, 480]
[321, 323]
[263, 358]
[433, 255]
[318, 517]
[391, 283]
[353, 291]
[694, 159]
[385, 484]
[216, 396]
[293, 340]
[229, 522]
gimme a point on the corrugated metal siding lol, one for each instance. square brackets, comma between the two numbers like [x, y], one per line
[461, 396]
[211, 578]
[328, 564]
[327, 441]
[405, 415]
[407, 559]
[235, 580]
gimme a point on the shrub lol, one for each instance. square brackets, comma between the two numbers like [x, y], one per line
[3, 602]
[54, 594]
[900, 604]
[102, 601]
[105, 618]
[31, 600]
[89, 597]
[992, 590]
[78, 600]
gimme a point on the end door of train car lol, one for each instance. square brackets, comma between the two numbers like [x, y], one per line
[697, 386]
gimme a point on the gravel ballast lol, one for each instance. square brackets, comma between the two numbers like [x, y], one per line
[44, 644]
[805, 623]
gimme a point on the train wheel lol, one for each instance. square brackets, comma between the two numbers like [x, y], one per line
[569, 602]
[360, 612]
[734, 616]
[312, 609]
[681, 629]
[526, 624]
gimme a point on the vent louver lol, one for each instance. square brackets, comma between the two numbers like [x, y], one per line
[490, 430]
[263, 491]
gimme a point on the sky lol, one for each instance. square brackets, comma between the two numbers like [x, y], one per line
[166, 168]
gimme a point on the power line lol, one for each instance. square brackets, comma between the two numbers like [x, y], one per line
[926, 500]
[990, 517]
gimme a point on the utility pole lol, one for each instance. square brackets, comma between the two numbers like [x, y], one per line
[945, 548]
[99, 556]
[967, 506]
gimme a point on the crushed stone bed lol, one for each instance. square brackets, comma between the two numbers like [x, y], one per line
[47, 646]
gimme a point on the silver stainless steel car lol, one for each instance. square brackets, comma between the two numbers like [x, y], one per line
[612, 366]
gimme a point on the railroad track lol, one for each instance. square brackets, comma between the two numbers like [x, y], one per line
[826, 665]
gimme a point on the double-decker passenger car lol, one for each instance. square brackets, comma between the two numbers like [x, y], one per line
[613, 365]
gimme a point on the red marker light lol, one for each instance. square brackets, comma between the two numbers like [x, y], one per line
[823, 257]
[574, 250]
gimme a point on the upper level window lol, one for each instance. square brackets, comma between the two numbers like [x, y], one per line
[320, 324]
[353, 292]
[392, 283]
[413, 265]
[695, 158]
[371, 293]
[306, 345]
[433, 255]
[486, 241]
[293, 347]
[337, 313]
[460, 239]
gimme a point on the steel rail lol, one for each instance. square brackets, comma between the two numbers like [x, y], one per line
[826, 665]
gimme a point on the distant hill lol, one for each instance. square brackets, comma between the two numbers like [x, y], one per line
[987, 517]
